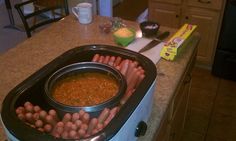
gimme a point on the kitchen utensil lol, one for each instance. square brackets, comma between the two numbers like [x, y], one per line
[155, 41]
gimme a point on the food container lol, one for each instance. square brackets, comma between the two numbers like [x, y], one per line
[124, 36]
[80, 68]
[127, 125]
[149, 28]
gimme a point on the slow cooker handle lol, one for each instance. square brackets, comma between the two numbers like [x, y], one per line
[141, 129]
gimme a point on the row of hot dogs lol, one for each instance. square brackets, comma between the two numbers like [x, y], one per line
[133, 72]
[71, 126]
[81, 124]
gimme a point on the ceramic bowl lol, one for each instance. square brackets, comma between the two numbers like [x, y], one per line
[122, 39]
[149, 28]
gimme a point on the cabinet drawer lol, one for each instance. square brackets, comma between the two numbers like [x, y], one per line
[168, 1]
[210, 4]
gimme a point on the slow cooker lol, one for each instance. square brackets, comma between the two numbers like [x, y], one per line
[127, 125]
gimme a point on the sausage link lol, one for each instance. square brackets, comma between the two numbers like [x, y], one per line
[78, 123]
[103, 115]
[21, 116]
[29, 118]
[112, 60]
[85, 118]
[37, 109]
[124, 67]
[65, 135]
[20, 110]
[50, 120]
[68, 126]
[75, 116]
[72, 134]
[81, 133]
[95, 58]
[106, 60]
[101, 58]
[92, 125]
[111, 115]
[140, 78]
[126, 97]
[81, 113]
[67, 117]
[53, 113]
[117, 61]
[84, 126]
[38, 123]
[42, 115]
[29, 108]
[133, 79]
[47, 128]
[130, 68]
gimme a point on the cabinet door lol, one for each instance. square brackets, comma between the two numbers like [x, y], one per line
[165, 14]
[207, 22]
[178, 120]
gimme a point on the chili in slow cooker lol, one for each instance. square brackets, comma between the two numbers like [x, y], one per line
[86, 89]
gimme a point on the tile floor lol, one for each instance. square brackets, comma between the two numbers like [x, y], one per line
[211, 114]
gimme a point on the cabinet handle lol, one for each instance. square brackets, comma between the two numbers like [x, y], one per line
[186, 17]
[204, 1]
[177, 16]
[188, 79]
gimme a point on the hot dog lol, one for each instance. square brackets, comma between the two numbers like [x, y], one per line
[101, 58]
[126, 97]
[81, 133]
[36, 109]
[111, 115]
[50, 120]
[47, 128]
[75, 116]
[72, 134]
[53, 113]
[117, 61]
[106, 60]
[38, 123]
[29, 118]
[92, 125]
[29, 108]
[68, 126]
[66, 117]
[95, 58]
[20, 110]
[103, 115]
[78, 123]
[42, 115]
[130, 68]
[21, 116]
[81, 113]
[112, 60]
[65, 135]
[124, 67]
[132, 79]
[85, 118]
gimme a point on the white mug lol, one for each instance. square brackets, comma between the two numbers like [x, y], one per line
[83, 12]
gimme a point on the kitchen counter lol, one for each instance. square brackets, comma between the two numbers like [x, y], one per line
[26, 58]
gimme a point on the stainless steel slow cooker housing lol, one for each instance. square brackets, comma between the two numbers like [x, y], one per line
[127, 125]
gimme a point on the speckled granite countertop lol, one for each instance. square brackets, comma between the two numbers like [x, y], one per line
[26, 58]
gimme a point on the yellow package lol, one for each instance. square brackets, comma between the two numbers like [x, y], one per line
[171, 47]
